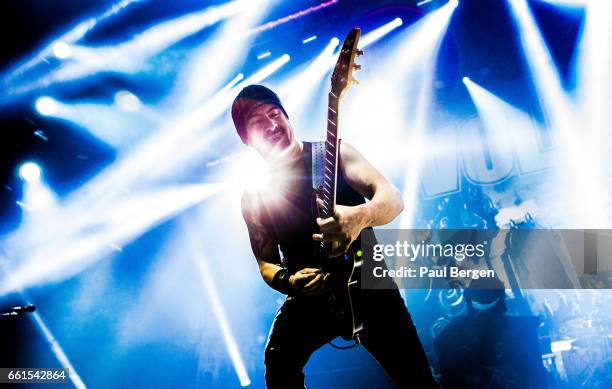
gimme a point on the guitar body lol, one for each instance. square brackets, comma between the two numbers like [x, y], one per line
[346, 293]
[346, 269]
[346, 286]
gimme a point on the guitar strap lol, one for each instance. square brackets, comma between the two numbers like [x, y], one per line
[318, 165]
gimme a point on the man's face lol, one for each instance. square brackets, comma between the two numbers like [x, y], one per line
[268, 130]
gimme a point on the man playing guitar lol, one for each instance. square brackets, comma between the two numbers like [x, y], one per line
[283, 218]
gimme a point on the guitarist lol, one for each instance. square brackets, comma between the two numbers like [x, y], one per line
[282, 217]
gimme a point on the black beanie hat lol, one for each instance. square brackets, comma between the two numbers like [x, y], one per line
[248, 99]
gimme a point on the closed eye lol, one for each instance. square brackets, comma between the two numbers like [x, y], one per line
[273, 114]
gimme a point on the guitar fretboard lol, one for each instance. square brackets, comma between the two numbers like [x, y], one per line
[328, 192]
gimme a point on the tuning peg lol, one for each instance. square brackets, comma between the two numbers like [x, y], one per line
[359, 53]
[356, 67]
[355, 82]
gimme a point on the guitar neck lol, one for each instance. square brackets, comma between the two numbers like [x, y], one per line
[340, 81]
[328, 193]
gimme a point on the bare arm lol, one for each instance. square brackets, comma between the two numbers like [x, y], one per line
[263, 246]
[266, 252]
[385, 200]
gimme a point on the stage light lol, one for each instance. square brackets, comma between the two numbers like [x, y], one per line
[71, 36]
[41, 134]
[593, 59]
[131, 167]
[508, 131]
[568, 3]
[373, 36]
[264, 55]
[262, 74]
[422, 39]
[76, 237]
[61, 49]
[46, 105]
[413, 65]
[30, 172]
[239, 77]
[208, 282]
[296, 91]
[543, 69]
[580, 162]
[58, 351]
[37, 196]
[119, 124]
[465, 79]
[127, 101]
[130, 55]
[293, 16]
[250, 172]
[214, 59]
[309, 39]
[506, 125]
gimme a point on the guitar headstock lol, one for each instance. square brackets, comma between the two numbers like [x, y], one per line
[342, 77]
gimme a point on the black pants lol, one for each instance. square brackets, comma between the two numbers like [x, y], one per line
[303, 324]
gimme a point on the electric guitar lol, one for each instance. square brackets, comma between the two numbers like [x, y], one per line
[346, 268]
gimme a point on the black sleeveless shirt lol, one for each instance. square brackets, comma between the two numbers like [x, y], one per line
[291, 220]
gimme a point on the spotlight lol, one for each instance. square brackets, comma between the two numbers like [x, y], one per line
[58, 351]
[309, 39]
[581, 164]
[61, 49]
[265, 72]
[127, 101]
[252, 173]
[46, 105]
[29, 172]
[92, 60]
[378, 33]
[71, 36]
[466, 79]
[239, 77]
[296, 92]
[567, 3]
[208, 282]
